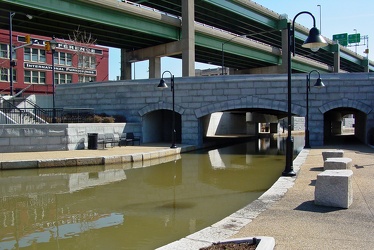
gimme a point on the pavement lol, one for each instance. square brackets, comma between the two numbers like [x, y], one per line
[296, 223]
[285, 212]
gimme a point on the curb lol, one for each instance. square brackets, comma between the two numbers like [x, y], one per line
[231, 225]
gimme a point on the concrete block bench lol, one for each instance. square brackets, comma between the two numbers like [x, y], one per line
[332, 154]
[337, 163]
[334, 188]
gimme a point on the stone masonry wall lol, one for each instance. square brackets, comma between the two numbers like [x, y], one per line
[56, 137]
[196, 97]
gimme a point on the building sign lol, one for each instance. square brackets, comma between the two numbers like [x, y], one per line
[63, 46]
[59, 68]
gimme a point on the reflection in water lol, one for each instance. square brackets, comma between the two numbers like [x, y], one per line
[122, 207]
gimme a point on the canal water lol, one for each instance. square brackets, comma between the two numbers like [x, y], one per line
[122, 207]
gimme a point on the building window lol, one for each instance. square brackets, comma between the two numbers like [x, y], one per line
[34, 77]
[87, 62]
[87, 79]
[34, 55]
[63, 58]
[4, 51]
[63, 78]
[5, 74]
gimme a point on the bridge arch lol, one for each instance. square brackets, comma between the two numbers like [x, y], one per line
[345, 103]
[157, 122]
[159, 106]
[334, 114]
[249, 102]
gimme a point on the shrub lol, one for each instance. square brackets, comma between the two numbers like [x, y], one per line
[108, 119]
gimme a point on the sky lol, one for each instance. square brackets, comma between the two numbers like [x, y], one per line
[332, 16]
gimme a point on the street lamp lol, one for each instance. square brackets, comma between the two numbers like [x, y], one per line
[53, 45]
[314, 41]
[223, 55]
[320, 18]
[163, 85]
[318, 84]
[11, 62]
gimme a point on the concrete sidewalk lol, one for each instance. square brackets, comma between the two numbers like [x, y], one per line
[296, 223]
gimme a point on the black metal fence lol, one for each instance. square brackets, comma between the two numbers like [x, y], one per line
[11, 115]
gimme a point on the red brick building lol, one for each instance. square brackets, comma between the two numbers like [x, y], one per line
[32, 64]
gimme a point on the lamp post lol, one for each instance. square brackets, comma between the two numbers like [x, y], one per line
[314, 41]
[318, 84]
[163, 85]
[223, 55]
[53, 45]
[320, 18]
[11, 63]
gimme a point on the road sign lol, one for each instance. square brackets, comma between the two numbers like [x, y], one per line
[354, 38]
[342, 39]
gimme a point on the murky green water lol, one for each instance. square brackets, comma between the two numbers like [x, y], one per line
[132, 207]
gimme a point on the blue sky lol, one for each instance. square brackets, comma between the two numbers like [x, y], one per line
[337, 16]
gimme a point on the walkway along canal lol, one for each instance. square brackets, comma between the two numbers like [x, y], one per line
[117, 207]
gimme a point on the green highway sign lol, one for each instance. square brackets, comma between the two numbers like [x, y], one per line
[342, 39]
[354, 38]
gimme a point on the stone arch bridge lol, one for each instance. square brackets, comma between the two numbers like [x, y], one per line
[241, 101]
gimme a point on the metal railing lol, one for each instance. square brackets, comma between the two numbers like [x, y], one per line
[33, 114]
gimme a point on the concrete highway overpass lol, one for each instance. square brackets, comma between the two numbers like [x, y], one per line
[196, 30]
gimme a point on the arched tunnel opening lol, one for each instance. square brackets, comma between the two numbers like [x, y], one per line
[157, 126]
[241, 124]
[344, 125]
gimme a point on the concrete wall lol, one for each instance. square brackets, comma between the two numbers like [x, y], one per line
[56, 137]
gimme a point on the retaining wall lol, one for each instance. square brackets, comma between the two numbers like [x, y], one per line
[56, 137]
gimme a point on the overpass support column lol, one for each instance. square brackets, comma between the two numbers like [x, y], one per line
[336, 50]
[365, 62]
[125, 66]
[274, 126]
[252, 124]
[155, 67]
[252, 128]
[188, 38]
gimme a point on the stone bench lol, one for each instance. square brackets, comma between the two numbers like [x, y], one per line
[334, 188]
[337, 163]
[332, 154]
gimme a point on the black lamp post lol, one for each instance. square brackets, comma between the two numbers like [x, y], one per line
[11, 63]
[163, 85]
[223, 55]
[53, 45]
[318, 84]
[314, 41]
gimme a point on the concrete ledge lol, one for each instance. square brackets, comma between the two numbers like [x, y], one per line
[112, 159]
[332, 154]
[52, 163]
[337, 163]
[90, 161]
[334, 188]
[19, 165]
[137, 157]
